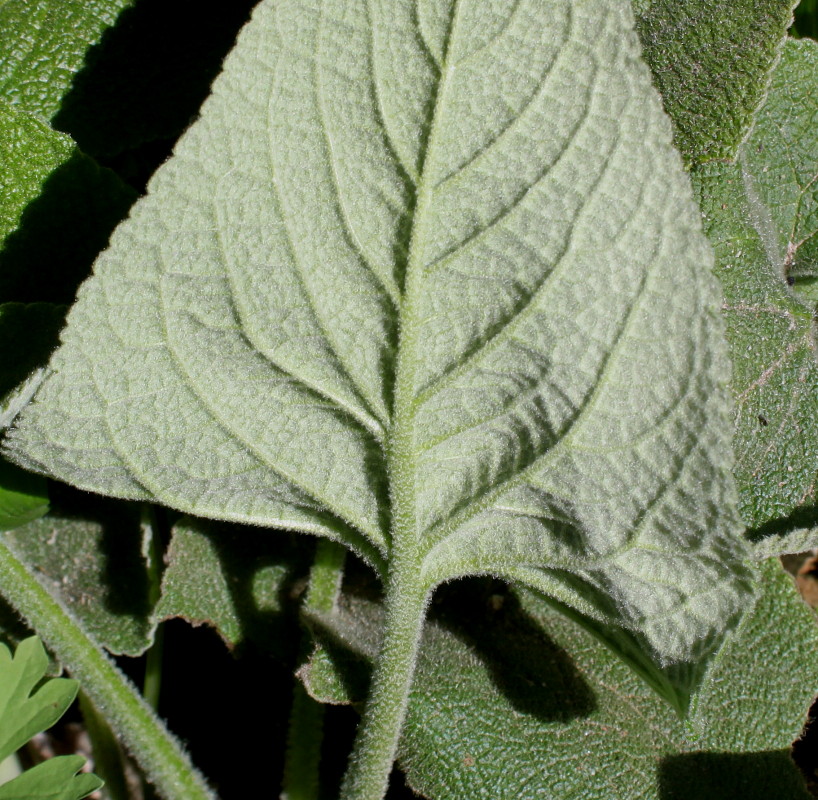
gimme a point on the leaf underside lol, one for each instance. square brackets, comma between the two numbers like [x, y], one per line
[424, 277]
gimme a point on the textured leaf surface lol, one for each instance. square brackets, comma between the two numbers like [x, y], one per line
[760, 214]
[711, 61]
[91, 554]
[230, 578]
[43, 44]
[513, 700]
[450, 245]
[57, 208]
[55, 779]
[24, 711]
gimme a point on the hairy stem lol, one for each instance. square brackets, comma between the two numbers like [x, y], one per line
[154, 547]
[301, 768]
[367, 777]
[161, 757]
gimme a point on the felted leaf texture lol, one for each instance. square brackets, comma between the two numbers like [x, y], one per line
[428, 280]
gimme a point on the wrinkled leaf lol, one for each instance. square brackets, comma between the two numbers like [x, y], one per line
[377, 255]
[760, 215]
[24, 711]
[91, 552]
[513, 700]
[710, 61]
[230, 578]
[57, 209]
[54, 779]
[43, 44]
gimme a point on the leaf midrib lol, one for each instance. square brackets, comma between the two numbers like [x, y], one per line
[400, 454]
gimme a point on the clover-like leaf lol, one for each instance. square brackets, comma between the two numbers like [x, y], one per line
[24, 711]
[54, 779]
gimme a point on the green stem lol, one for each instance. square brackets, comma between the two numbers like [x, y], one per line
[306, 731]
[154, 552]
[301, 769]
[367, 777]
[157, 752]
[109, 760]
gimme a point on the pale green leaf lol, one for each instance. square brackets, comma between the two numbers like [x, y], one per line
[512, 700]
[26, 707]
[54, 779]
[429, 281]
[711, 60]
[760, 215]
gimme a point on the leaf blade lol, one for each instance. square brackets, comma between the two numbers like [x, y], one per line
[361, 314]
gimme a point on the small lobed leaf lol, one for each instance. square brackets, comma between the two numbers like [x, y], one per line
[387, 294]
[26, 707]
[54, 779]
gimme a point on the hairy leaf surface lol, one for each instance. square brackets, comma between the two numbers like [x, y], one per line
[711, 61]
[429, 280]
[227, 577]
[503, 692]
[90, 554]
[760, 214]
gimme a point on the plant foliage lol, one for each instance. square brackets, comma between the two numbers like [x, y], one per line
[433, 280]
[27, 706]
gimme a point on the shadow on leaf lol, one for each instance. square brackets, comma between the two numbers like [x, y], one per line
[145, 80]
[527, 667]
[731, 776]
[61, 232]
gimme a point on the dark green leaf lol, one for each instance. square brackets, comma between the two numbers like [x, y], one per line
[761, 215]
[710, 61]
[512, 700]
[91, 552]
